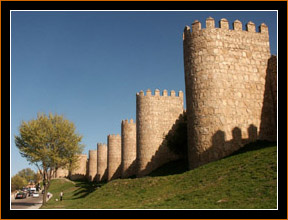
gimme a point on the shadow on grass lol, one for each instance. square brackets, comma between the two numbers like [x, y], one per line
[181, 166]
[171, 168]
[85, 188]
[260, 144]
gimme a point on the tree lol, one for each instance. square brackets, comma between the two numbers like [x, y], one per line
[37, 177]
[49, 142]
[28, 174]
[17, 182]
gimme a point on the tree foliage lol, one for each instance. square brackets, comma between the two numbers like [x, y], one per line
[28, 174]
[49, 142]
[17, 182]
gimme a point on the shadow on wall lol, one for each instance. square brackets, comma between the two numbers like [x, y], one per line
[77, 176]
[221, 148]
[171, 168]
[130, 171]
[259, 144]
[176, 138]
[267, 129]
[97, 178]
[103, 178]
[268, 126]
[117, 173]
[164, 154]
[91, 178]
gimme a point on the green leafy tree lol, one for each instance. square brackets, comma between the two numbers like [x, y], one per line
[17, 182]
[37, 177]
[28, 174]
[49, 142]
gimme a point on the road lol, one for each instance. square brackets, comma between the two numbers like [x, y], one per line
[27, 203]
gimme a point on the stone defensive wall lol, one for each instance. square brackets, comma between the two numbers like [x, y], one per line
[268, 127]
[92, 165]
[61, 173]
[155, 116]
[231, 100]
[128, 148]
[114, 156]
[225, 76]
[81, 170]
[101, 162]
[272, 78]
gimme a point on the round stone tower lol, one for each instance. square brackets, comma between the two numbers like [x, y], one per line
[114, 156]
[81, 169]
[128, 147]
[92, 165]
[61, 172]
[225, 74]
[101, 162]
[155, 116]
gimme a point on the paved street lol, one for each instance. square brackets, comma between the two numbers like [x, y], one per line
[27, 203]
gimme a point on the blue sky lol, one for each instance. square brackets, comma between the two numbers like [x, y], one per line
[88, 66]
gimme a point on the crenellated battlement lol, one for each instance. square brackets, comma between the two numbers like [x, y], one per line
[113, 156]
[128, 148]
[222, 68]
[101, 162]
[228, 104]
[224, 25]
[155, 115]
[101, 145]
[114, 136]
[157, 93]
[126, 121]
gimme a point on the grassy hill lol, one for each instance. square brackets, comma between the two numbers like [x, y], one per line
[244, 180]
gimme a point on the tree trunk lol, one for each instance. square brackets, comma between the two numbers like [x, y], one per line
[46, 183]
[45, 194]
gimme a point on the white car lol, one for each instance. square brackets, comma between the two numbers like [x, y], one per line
[35, 195]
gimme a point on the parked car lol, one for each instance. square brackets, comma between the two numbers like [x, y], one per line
[31, 191]
[21, 195]
[35, 195]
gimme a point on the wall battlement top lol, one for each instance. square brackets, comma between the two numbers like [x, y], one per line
[92, 153]
[224, 25]
[157, 93]
[126, 121]
[101, 144]
[114, 136]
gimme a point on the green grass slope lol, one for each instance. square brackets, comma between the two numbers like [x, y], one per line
[245, 180]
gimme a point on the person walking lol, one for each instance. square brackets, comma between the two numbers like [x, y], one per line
[61, 195]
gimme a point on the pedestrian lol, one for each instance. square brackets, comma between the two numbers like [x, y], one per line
[61, 195]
